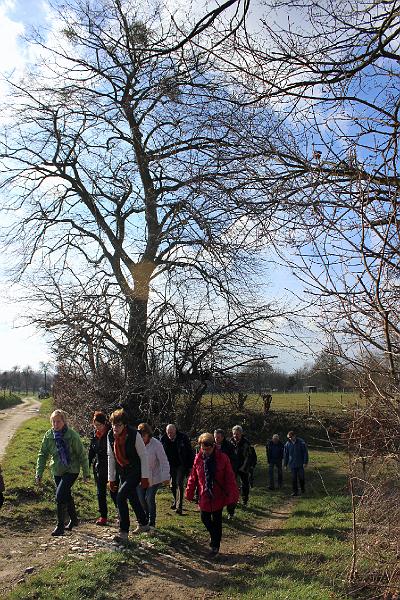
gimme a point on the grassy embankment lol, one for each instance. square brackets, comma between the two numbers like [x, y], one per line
[8, 400]
[306, 559]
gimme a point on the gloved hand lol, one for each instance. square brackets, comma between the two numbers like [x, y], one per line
[144, 483]
[113, 486]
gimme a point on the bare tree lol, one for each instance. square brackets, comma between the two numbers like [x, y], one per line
[130, 170]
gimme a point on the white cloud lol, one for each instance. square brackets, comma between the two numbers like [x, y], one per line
[11, 51]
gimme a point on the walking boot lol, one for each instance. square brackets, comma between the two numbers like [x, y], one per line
[73, 522]
[61, 511]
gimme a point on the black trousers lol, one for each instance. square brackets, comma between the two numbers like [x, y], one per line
[101, 485]
[297, 474]
[177, 484]
[1, 499]
[245, 487]
[127, 491]
[213, 523]
[64, 484]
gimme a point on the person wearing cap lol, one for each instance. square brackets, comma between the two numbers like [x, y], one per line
[212, 475]
[275, 449]
[296, 458]
[98, 458]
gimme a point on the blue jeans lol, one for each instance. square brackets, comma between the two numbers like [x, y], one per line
[127, 491]
[148, 501]
[64, 484]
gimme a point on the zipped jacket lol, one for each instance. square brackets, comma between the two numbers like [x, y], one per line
[275, 452]
[183, 448]
[48, 449]
[295, 455]
[98, 455]
[225, 490]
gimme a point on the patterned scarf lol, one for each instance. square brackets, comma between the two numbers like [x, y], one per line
[209, 472]
[62, 446]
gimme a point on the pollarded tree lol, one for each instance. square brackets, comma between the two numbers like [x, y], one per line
[127, 168]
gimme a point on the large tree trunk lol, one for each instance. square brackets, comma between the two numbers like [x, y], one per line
[135, 392]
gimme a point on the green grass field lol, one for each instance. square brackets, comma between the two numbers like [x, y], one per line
[307, 559]
[336, 402]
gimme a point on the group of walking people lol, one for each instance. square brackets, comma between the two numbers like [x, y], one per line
[131, 464]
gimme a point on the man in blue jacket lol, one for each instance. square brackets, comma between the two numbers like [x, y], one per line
[296, 458]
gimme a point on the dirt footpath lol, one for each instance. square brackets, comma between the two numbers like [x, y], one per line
[187, 572]
[12, 418]
[182, 571]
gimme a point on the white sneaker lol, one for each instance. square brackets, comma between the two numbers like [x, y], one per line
[141, 529]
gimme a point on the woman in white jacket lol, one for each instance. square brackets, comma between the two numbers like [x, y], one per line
[158, 472]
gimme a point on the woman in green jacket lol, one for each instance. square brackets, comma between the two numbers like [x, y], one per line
[64, 446]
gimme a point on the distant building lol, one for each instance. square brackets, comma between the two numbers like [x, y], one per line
[310, 389]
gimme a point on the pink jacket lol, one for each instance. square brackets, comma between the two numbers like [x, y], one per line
[225, 490]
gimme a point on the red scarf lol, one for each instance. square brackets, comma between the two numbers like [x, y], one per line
[100, 434]
[120, 449]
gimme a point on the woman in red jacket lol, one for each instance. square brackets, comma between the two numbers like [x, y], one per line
[213, 476]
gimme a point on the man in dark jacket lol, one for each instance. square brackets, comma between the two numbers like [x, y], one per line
[226, 447]
[296, 458]
[180, 456]
[275, 450]
[242, 453]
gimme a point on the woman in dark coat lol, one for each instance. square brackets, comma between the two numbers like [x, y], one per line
[98, 458]
[213, 476]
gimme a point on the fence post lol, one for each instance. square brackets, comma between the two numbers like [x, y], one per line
[309, 405]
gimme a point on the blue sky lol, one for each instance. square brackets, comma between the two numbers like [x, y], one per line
[18, 345]
[21, 345]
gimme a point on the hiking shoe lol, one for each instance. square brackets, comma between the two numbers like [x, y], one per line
[213, 552]
[141, 529]
[294, 494]
[178, 511]
[101, 521]
[173, 506]
[58, 531]
[121, 537]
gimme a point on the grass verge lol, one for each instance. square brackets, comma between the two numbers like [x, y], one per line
[9, 400]
[307, 558]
